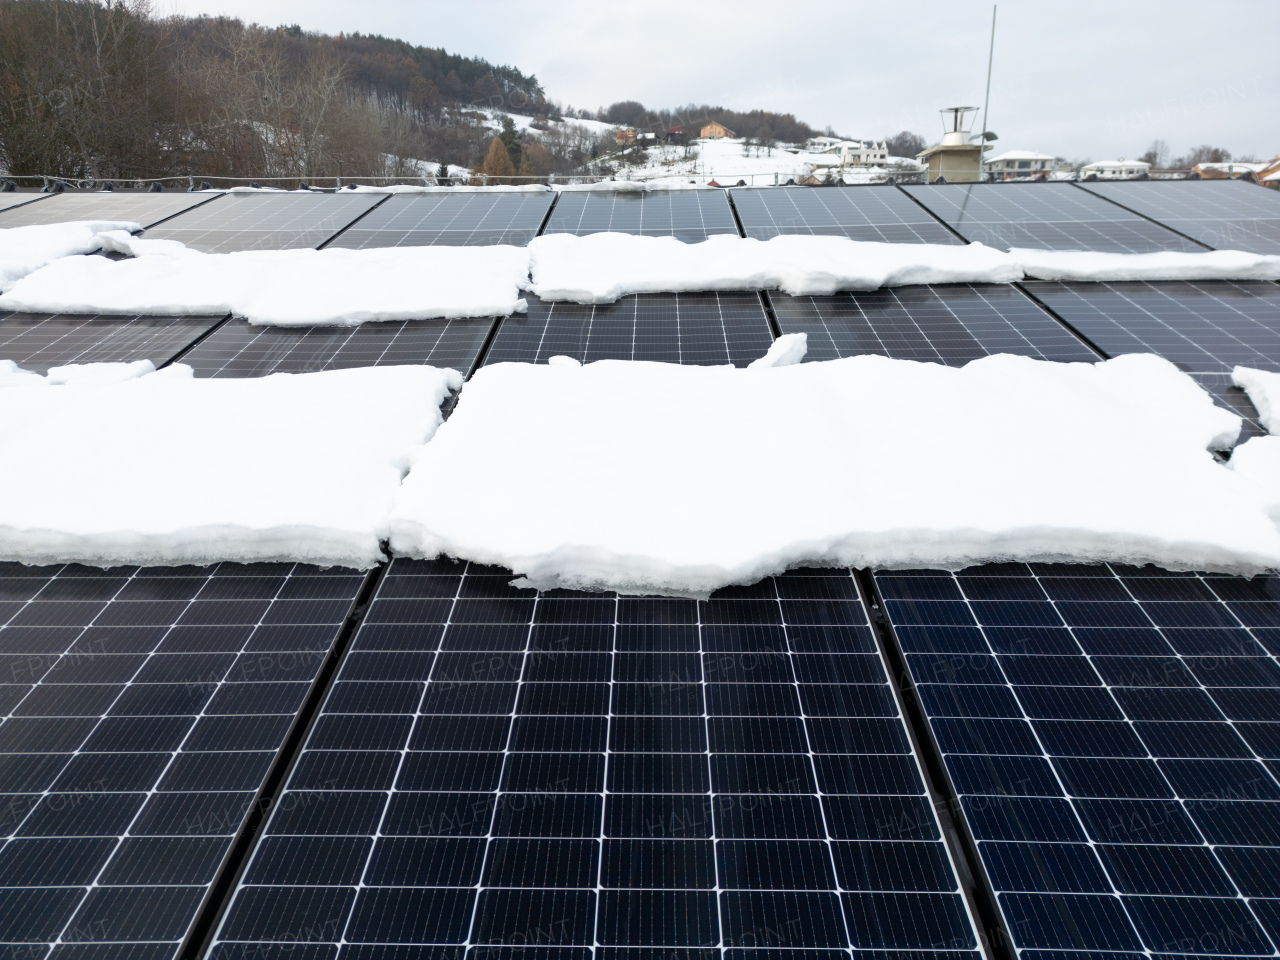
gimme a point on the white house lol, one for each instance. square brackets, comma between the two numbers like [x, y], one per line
[1114, 169]
[850, 152]
[1019, 163]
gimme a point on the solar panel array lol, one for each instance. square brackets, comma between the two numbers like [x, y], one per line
[1225, 214]
[496, 768]
[142, 709]
[450, 219]
[143, 208]
[880, 213]
[706, 328]
[688, 215]
[40, 341]
[1053, 216]
[265, 221]
[1112, 735]
[15, 199]
[1206, 328]
[949, 324]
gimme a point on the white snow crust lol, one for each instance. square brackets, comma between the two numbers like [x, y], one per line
[281, 287]
[1263, 388]
[654, 478]
[167, 469]
[787, 349]
[1166, 265]
[1258, 460]
[24, 250]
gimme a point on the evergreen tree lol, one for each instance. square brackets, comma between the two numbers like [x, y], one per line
[510, 137]
[497, 165]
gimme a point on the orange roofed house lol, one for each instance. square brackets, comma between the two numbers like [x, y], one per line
[716, 131]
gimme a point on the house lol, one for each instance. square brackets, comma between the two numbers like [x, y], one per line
[955, 159]
[716, 131]
[624, 137]
[1233, 170]
[675, 135]
[851, 152]
[1019, 163]
[1121, 169]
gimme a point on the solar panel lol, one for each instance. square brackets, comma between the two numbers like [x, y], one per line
[265, 221]
[705, 328]
[141, 711]
[461, 219]
[1225, 214]
[238, 349]
[949, 324]
[1107, 732]
[15, 199]
[40, 341]
[1053, 216]
[688, 215]
[577, 773]
[143, 208]
[880, 213]
[1206, 328]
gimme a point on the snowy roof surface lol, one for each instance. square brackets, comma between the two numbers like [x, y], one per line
[1017, 155]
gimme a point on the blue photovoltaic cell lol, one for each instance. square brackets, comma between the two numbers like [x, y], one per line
[591, 775]
[40, 341]
[689, 216]
[141, 709]
[450, 219]
[1053, 216]
[1224, 214]
[880, 213]
[143, 208]
[949, 324]
[1206, 328]
[706, 328]
[1110, 733]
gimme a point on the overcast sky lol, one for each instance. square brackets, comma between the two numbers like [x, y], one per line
[1078, 79]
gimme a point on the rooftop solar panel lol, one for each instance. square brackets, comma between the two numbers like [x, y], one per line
[1053, 216]
[461, 219]
[949, 324]
[688, 215]
[143, 208]
[15, 199]
[705, 328]
[587, 774]
[880, 213]
[38, 341]
[238, 349]
[141, 711]
[1206, 328]
[1107, 731]
[1224, 214]
[265, 221]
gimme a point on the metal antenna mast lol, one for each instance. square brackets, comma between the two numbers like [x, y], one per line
[990, 55]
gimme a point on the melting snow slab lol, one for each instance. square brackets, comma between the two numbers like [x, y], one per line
[657, 478]
[23, 250]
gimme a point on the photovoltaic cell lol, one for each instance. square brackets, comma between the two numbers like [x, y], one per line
[880, 213]
[1053, 216]
[707, 328]
[143, 208]
[588, 774]
[1206, 328]
[141, 710]
[448, 219]
[15, 199]
[239, 349]
[688, 215]
[268, 221]
[1111, 734]
[949, 324]
[39, 341]
[1225, 214]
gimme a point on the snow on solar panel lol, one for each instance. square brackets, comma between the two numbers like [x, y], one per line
[144, 208]
[268, 221]
[37, 342]
[141, 711]
[859, 213]
[466, 219]
[1205, 328]
[238, 349]
[495, 767]
[689, 216]
[1107, 732]
[1225, 214]
[949, 324]
[705, 328]
[1054, 216]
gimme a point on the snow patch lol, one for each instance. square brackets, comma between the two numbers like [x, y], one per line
[162, 468]
[654, 478]
[462, 188]
[787, 349]
[1165, 265]
[1258, 461]
[24, 250]
[1263, 388]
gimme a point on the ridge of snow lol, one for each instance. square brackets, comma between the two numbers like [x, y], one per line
[1258, 459]
[787, 349]
[24, 250]
[434, 188]
[1165, 265]
[649, 477]
[163, 468]
[1263, 388]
